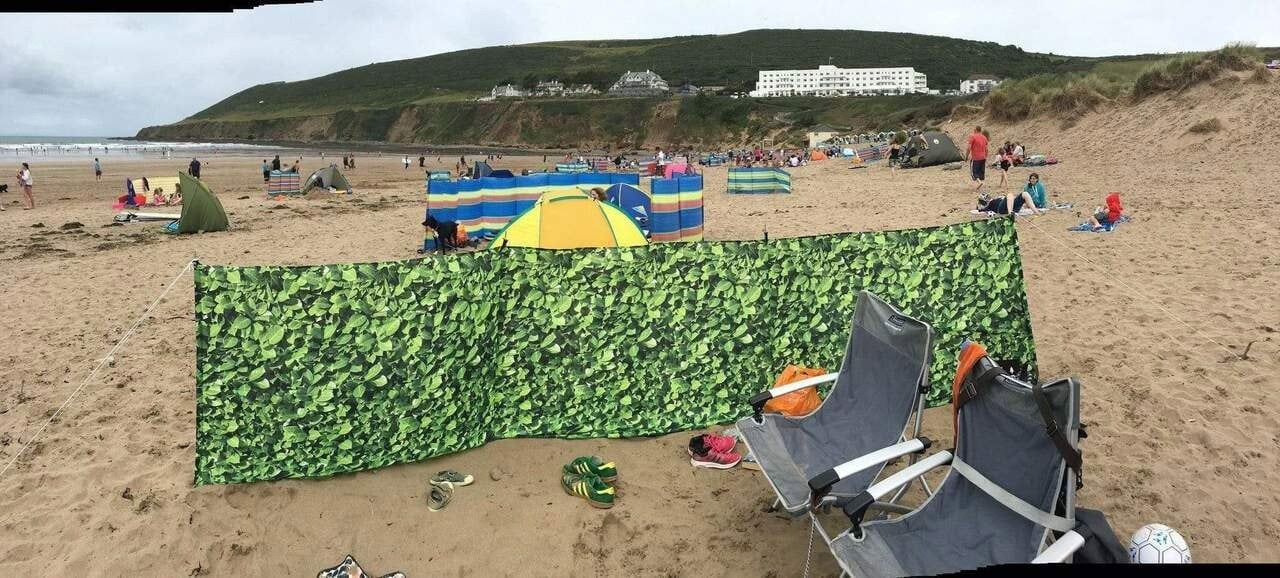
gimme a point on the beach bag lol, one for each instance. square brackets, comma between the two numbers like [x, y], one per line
[1100, 543]
[797, 403]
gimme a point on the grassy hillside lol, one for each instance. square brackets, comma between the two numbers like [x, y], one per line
[731, 60]
[579, 123]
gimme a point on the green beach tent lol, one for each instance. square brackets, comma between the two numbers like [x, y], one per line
[201, 211]
[330, 176]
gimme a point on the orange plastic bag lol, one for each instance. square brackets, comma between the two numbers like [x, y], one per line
[796, 403]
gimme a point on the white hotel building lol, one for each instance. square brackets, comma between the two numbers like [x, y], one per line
[830, 80]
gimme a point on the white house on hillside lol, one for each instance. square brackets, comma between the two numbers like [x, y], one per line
[549, 88]
[645, 83]
[828, 80]
[506, 91]
[978, 83]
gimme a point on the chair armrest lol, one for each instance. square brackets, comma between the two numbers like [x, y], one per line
[821, 484]
[758, 400]
[857, 508]
[1061, 550]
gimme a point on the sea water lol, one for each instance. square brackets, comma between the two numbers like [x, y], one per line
[21, 146]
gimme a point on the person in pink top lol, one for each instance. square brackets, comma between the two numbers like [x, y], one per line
[976, 153]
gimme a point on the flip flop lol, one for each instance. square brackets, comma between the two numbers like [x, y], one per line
[441, 495]
[452, 477]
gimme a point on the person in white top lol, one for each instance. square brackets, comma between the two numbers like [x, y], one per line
[405, 160]
[662, 157]
[24, 180]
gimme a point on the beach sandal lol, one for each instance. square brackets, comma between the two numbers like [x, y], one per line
[454, 478]
[441, 495]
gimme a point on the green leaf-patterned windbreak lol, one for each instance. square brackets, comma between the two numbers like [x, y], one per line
[313, 371]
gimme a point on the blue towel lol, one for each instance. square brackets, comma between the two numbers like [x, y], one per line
[1088, 228]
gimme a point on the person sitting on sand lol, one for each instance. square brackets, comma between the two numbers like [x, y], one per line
[1006, 204]
[1019, 154]
[176, 197]
[1035, 188]
[1108, 217]
[599, 195]
[158, 198]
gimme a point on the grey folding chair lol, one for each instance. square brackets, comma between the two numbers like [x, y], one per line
[1010, 491]
[880, 384]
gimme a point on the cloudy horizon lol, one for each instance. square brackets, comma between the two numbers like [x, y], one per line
[112, 74]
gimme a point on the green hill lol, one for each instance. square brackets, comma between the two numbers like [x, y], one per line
[731, 60]
[374, 102]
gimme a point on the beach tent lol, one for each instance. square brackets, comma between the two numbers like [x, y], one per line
[817, 155]
[570, 220]
[631, 199]
[502, 174]
[482, 169]
[201, 211]
[758, 180]
[331, 178]
[941, 150]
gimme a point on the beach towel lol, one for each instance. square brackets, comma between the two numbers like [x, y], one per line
[349, 568]
[989, 214]
[1088, 227]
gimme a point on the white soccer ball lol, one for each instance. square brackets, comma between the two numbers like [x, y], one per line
[1158, 544]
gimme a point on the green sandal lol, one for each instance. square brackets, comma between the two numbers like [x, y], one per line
[594, 466]
[441, 495]
[452, 477]
[589, 487]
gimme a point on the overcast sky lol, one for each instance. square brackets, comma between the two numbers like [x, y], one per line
[111, 74]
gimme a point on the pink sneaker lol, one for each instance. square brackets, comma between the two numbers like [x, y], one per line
[717, 442]
[716, 460]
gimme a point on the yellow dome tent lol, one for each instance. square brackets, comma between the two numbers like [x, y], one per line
[570, 220]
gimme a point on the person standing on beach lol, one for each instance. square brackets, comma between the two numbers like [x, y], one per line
[405, 160]
[266, 171]
[275, 163]
[24, 181]
[422, 162]
[97, 169]
[193, 169]
[353, 161]
[976, 154]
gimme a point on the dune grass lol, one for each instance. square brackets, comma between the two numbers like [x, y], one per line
[1206, 126]
[1070, 95]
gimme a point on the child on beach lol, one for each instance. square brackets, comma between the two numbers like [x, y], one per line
[1108, 217]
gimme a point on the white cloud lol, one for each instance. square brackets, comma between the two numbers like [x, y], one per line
[113, 74]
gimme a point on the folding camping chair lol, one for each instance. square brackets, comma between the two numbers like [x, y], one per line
[1012, 485]
[882, 381]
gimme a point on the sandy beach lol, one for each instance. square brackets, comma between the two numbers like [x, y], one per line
[1152, 318]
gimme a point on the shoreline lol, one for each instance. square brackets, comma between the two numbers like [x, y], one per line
[375, 146]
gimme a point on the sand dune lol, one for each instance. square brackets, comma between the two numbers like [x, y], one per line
[1150, 317]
